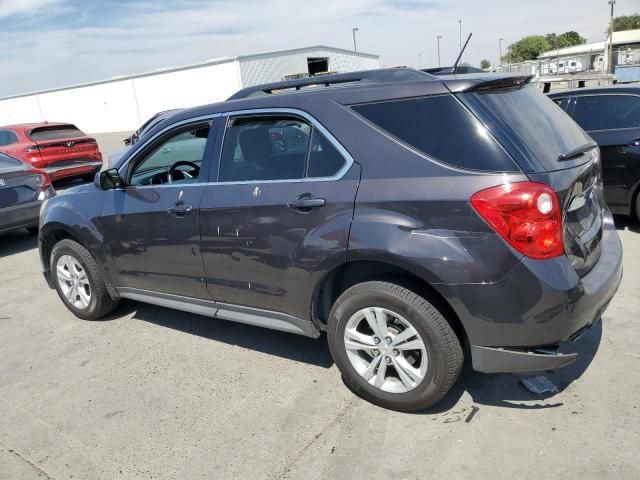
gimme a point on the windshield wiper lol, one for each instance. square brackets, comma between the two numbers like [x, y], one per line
[577, 152]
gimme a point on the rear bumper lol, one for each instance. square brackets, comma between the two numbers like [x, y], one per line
[500, 360]
[516, 324]
[69, 168]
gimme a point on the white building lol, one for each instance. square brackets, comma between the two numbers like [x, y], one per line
[124, 103]
[592, 56]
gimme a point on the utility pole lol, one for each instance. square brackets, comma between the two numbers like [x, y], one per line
[420, 60]
[500, 49]
[355, 45]
[610, 56]
[438, 41]
[460, 33]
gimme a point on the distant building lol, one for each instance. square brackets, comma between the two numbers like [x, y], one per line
[592, 56]
[123, 103]
[589, 57]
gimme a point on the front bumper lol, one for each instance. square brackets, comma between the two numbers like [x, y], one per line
[517, 324]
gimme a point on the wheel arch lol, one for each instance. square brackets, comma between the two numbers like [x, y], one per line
[50, 235]
[344, 276]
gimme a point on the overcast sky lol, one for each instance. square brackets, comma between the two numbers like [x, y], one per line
[52, 43]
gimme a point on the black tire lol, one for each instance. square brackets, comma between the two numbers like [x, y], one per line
[101, 302]
[89, 177]
[444, 352]
[33, 230]
[638, 206]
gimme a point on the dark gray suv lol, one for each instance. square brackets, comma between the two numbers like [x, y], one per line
[417, 220]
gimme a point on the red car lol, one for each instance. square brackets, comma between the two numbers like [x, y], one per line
[59, 149]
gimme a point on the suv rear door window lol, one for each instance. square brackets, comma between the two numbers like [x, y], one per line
[267, 148]
[442, 128]
[324, 158]
[607, 112]
[55, 132]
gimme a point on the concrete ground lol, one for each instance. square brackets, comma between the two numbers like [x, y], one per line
[155, 393]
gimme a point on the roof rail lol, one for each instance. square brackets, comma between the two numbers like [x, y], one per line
[382, 75]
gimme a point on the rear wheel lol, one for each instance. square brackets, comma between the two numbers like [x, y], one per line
[79, 282]
[393, 347]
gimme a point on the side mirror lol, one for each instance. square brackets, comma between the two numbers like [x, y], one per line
[108, 180]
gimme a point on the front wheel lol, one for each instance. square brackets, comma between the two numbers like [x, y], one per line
[79, 282]
[393, 347]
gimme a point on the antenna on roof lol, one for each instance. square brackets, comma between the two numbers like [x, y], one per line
[455, 65]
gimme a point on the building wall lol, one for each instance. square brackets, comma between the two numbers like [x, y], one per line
[124, 104]
[274, 67]
[94, 109]
[186, 88]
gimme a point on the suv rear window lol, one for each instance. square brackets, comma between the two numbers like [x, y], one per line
[55, 132]
[539, 125]
[442, 128]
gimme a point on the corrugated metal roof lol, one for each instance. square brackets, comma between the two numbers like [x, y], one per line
[619, 38]
[206, 63]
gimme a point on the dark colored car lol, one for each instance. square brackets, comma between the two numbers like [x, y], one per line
[22, 191]
[611, 115]
[425, 220]
[148, 125]
[59, 149]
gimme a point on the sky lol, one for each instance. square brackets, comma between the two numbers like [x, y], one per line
[54, 43]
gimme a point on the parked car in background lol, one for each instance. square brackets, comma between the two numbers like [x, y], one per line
[611, 115]
[115, 157]
[414, 219]
[148, 125]
[59, 149]
[22, 191]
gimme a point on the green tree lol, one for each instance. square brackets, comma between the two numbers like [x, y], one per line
[485, 64]
[566, 39]
[528, 48]
[626, 22]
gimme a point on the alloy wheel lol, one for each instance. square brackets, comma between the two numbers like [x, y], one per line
[385, 349]
[73, 281]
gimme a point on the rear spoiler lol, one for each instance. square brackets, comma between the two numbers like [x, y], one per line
[484, 82]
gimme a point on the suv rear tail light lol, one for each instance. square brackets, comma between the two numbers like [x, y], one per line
[526, 214]
[45, 183]
[32, 148]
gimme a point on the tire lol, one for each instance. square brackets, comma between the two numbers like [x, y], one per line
[89, 177]
[96, 301]
[637, 216]
[401, 309]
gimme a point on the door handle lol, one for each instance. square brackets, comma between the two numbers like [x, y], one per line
[179, 210]
[166, 150]
[305, 203]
